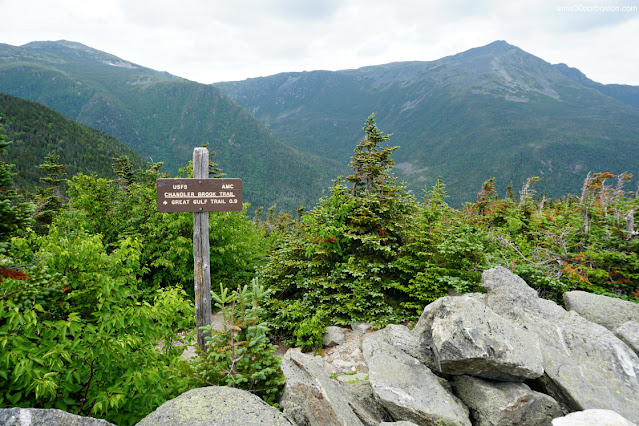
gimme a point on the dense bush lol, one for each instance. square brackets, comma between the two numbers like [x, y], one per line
[76, 336]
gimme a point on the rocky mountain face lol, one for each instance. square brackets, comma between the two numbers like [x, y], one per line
[490, 111]
[163, 117]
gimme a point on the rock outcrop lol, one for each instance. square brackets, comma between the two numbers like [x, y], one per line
[603, 310]
[505, 403]
[310, 396]
[593, 417]
[215, 405]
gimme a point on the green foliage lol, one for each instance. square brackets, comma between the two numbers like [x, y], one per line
[240, 354]
[587, 243]
[338, 265]
[76, 337]
[115, 209]
[48, 200]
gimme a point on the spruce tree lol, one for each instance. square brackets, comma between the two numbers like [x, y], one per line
[340, 265]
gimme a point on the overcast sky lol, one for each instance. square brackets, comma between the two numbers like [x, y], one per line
[220, 40]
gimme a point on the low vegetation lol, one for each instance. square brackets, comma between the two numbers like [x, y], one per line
[94, 293]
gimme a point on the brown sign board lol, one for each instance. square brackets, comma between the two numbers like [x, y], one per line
[199, 195]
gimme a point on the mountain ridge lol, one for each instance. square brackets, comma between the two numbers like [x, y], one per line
[494, 110]
[163, 117]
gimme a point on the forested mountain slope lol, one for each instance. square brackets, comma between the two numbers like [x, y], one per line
[490, 111]
[163, 117]
[36, 130]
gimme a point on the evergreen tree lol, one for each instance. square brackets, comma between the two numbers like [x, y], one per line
[13, 216]
[48, 200]
[339, 264]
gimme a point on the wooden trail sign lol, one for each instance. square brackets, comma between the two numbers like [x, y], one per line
[200, 195]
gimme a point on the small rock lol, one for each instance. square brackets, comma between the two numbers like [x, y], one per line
[360, 327]
[334, 336]
[595, 417]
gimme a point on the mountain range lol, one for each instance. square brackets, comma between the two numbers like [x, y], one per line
[163, 117]
[492, 111]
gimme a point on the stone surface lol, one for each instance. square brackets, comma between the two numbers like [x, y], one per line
[361, 398]
[467, 337]
[310, 396]
[215, 405]
[595, 417]
[494, 403]
[334, 336]
[407, 389]
[628, 332]
[411, 343]
[352, 378]
[361, 327]
[400, 423]
[603, 310]
[345, 358]
[45, 417]
[585, 365]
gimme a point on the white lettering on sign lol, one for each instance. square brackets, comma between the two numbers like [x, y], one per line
[227, 186]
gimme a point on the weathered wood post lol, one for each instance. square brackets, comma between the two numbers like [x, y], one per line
[200, 195]
[201, 253]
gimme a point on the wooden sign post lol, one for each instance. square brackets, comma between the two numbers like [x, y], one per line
[200, 195]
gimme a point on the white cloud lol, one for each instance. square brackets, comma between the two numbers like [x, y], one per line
[214, 40]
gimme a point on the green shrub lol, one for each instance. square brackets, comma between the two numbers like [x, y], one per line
[85, 343]
[240, 355]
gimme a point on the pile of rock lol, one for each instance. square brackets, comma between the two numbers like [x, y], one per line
[506, 357]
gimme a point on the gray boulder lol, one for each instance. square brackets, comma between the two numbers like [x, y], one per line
[467, 337]
[505, 403]
[310, 396]
[411, 343]
[585, 365]
[45, 417]
[360, 328]
[334, 336]
[407, 389]
[603, 310]
[628, 332]
[361, 398]
[215, 405]
[593, 417]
